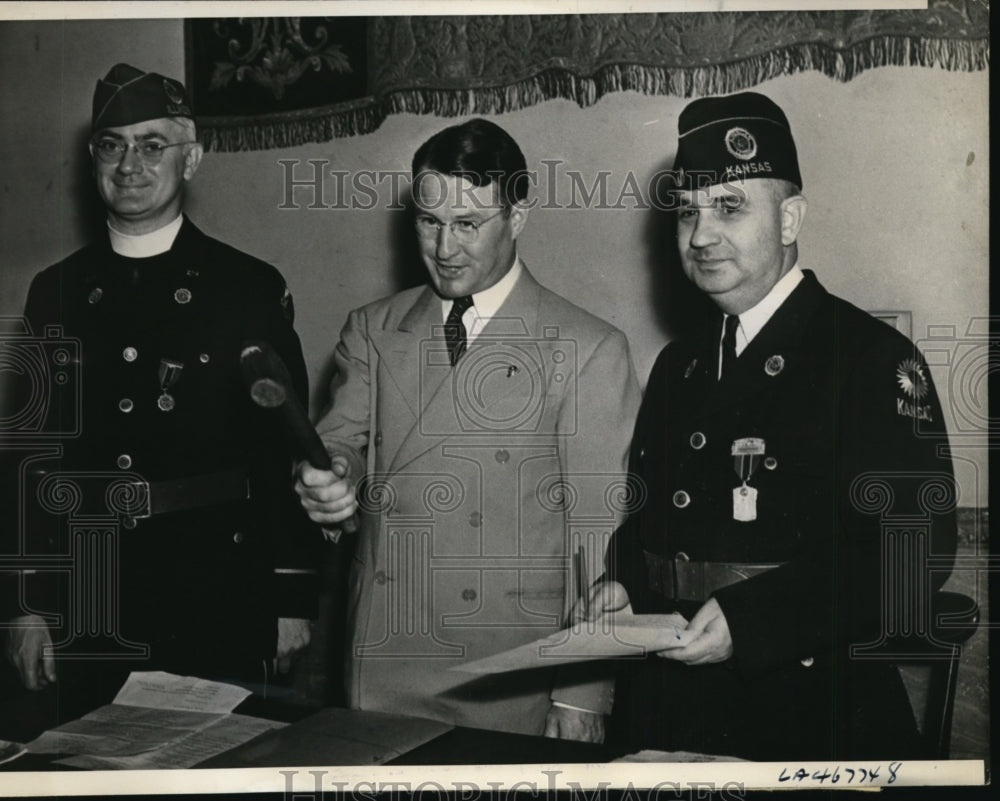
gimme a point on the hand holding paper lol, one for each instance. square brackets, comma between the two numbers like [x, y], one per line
[706, 638]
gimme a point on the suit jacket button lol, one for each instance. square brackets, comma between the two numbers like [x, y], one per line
[238, 537]
[808, 661]
[380, 577]
[681, 499]
[468, 595]
[475, 520]
[697, 440]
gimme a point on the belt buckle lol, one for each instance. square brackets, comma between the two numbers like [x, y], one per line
[134, 502]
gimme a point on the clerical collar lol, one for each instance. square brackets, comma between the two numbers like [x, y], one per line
[145, 245]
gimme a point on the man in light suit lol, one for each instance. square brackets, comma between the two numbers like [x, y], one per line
[490, 420]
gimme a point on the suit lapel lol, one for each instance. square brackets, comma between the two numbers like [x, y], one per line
[443, 393]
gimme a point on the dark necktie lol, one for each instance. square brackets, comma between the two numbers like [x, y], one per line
[454, 330]
[729, 344]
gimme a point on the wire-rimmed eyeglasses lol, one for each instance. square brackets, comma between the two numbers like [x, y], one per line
[465, 231]
[112, 151]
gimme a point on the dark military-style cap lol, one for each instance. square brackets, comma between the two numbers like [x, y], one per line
[735, 137]
[128, 95]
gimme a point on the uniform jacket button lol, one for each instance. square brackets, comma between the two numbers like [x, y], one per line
[238, 537]
[182, 296]
[502, 456]
[468, 594]
[681, 499]
[130, 354]
[129, 523]
[808, 661]
[126, 405]
[475, 520]
[770, 463]
[124, 461]
[697, 440]
[203, 358]
[95, 295]
[380, 577]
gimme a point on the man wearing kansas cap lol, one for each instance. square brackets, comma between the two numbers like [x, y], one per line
[759, 439]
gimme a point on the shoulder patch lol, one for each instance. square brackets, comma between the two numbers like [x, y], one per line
[911, 376]
[288, 305]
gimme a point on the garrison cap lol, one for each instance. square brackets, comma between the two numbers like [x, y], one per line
[128, 95]
[735, 137]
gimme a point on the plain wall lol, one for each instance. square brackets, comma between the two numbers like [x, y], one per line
[895, 165]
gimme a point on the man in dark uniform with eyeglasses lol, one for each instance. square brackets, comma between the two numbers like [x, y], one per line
[490, 418]
[801, 500]
[199, 559]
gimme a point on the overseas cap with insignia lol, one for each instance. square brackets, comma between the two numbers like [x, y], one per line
[735, 137]
[128, 95]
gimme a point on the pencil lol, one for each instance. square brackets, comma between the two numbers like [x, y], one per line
[583, 585]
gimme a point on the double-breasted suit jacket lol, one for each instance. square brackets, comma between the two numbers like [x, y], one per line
[842, 436]
[478, 481]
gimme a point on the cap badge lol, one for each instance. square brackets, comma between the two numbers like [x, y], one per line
[774, 364]
[172, 93]
[741, 143]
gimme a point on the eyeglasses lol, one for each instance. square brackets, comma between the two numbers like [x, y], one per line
[112, 151]
[465, 231]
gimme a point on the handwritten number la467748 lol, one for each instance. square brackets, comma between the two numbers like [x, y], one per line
[856, 775]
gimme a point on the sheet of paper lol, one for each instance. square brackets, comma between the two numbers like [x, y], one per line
[335, 736]
[10, 751]
[119, 730]
[615, 636]
[226, 732]
[676, 756]
[158, 690]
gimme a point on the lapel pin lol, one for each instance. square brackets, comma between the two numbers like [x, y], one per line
[774, 365]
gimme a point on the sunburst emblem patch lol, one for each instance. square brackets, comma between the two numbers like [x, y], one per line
[911, 379]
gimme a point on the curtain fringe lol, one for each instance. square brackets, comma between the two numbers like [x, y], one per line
[325, 124]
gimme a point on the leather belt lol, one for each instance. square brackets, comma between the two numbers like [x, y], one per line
[684, 580]
[181, 494]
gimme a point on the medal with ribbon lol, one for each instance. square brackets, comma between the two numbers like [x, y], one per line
[168, 374]
[747, 453]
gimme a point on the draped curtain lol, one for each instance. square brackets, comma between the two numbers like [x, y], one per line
[279, 82]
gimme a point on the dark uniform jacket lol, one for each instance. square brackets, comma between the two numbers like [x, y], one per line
[198, 585]
[851, 429]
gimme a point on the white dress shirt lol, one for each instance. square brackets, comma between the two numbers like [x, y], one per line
[485, 304]
[754, 319]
